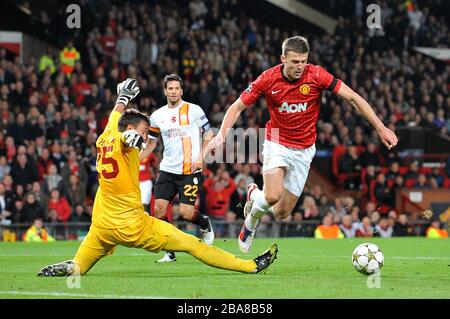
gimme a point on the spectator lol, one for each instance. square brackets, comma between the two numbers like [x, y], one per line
[422, 182]
[41, 197]
[370, 156]
[393, 172]
[126, 48]
[324, 207]
[402, 227]
[338, 208]
[68, 56]
[43, 163]
[327, 229]
[309, 209]
[383, 193]
[5, 169]
[218, 191]
[59, 204]
[24, 172]
[347, 227]
[53, 180]
[37, 232]
[413, 171]
[383, 229]
[437, 175]
[76, 194]
[435, 230]
[31, 209]
[80, 215]
[365, 229]
[6, 203]
[74, 167]
[350, 163]
[20, 130]
[46, 62]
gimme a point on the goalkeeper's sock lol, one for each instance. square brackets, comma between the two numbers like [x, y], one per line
[199, 219]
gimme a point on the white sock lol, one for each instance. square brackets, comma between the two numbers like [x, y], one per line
[259, 208]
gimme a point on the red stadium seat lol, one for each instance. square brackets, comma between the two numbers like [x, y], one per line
[360, 149]
[338, 152]
[364, 185]
[402, 170]
[425, 170]
[446, 183]
[410, 182]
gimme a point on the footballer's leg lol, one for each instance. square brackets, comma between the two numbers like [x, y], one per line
[91, 250]
[284, 207]
[188, 189]
[216, 257]
[261, 202]
[294, 182]
[165, 192]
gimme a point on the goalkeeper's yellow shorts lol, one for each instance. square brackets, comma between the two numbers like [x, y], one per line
[148, 233]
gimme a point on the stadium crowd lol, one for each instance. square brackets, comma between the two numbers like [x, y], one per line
[54, 106]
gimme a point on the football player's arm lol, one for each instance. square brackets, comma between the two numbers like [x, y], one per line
[247, 98]
[386, 135]
[231, 117]
[126, 91]
[151, 144]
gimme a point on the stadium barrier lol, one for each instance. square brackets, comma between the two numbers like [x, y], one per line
[222, 229]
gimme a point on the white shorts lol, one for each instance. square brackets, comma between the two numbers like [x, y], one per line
[146, 191]
[297, 162]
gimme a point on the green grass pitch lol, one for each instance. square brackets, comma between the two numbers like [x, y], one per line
[305, 268]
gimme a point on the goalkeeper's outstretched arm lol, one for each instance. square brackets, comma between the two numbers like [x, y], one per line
[126, 91]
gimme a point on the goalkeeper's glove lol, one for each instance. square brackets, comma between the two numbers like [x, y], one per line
[127, 90]
[131, 138]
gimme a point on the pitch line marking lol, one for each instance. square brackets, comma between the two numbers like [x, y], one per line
[86, 295]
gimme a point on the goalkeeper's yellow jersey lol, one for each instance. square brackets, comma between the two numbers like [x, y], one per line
[118, 200]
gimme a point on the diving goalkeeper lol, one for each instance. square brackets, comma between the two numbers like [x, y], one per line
[118, 217]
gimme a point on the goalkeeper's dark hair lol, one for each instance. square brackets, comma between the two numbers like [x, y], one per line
[297, 44]
[172, 77]
[133, 117]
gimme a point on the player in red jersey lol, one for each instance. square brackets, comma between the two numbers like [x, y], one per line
[146, 174]
[292, 90]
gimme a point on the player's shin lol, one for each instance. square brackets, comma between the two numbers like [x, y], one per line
[259, 208]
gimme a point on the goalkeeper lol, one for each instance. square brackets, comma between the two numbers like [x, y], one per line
[118, 217]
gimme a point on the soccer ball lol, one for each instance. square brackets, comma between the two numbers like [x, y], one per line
[367, 258]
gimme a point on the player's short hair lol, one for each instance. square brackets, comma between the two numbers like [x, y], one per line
[297, 44]
[172, 77]
[133, 117]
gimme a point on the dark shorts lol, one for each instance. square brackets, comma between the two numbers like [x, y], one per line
[168, 185]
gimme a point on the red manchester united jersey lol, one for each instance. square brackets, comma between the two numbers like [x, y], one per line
[293, 105]
[145, 171]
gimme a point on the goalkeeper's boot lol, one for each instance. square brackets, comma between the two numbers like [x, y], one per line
[264, 260]
[208, 233]
[65, 268]
[168, 257]
[246, 239]
[249, 203]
